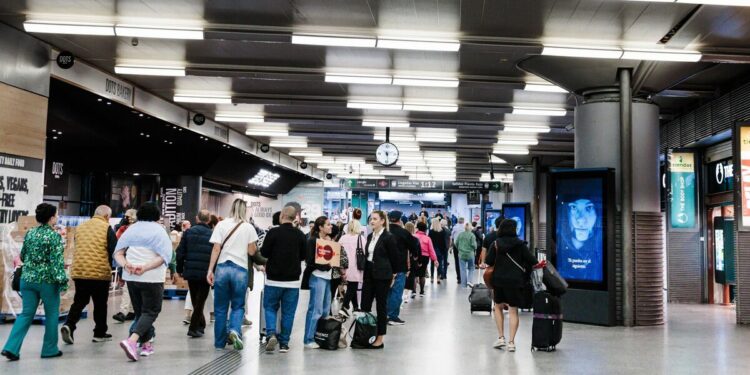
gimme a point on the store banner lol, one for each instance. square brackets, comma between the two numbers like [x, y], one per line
[55, 178]
[261, 209]
[21, 186]
[744, 144]
[179, 198]
[683, 187]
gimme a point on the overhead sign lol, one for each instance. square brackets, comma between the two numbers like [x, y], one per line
[404, 184]
[96, 81]
[21, 182]
[682, 213]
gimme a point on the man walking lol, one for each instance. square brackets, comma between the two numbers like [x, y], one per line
[457, 230]
[193, 257]
[407, 249]
[284, 248]
[91, 272]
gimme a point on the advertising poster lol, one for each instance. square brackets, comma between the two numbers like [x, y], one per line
[745, 174]
[124, 195]
[489, 220]
[328, 252]
[682, 212]
[579, 229]
[261, 209]
[179, 197]
[309, 200]
[21, 182]
[518, 214]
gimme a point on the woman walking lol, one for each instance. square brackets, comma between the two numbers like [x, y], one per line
[382, 253]
[428, 253]
[439, 239]
[513, 263]
[144, 251]
[320, 282]
[43, 278]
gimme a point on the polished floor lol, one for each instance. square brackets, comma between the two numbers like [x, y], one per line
[440, 337]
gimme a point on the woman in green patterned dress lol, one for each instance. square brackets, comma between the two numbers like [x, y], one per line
[43, 279]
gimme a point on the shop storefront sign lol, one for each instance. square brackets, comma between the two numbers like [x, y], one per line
[744, 160]
[21, 182]
[683, 188]
[720, 176]
[96, 81]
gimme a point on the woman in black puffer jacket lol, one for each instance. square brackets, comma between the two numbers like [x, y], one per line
[513, 263]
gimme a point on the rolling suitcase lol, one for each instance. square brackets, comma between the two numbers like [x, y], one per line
[546, 330]
[480, 298]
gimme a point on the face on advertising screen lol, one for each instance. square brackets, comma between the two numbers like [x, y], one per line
[579, 230]
[517, 214]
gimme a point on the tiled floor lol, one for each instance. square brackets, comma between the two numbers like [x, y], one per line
[440, 337]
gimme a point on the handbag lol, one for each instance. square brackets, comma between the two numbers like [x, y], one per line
[555, 283]
[364, 331]
[361, 257]
[16, 282]
[328, 333]
[490, 271]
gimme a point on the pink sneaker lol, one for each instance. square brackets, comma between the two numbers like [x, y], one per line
[130, 349]
[147, 349]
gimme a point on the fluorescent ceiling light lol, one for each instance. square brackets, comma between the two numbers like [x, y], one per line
[444, 139]
[740, 3]
[385, 124]
[358, 78]
[335, 41]
[663, 55]
[306, 152]
[395, 136]
[320, 160]
[419, 44]
[518, 142]
[539, 111]
[267, 132]
[423, 81]
[396, 106]
[510, 151]
[571, 51]
[203, 99]
[496, 160]
[163, 32]
[167, 71]
[289, 142]
[264, 178]
[431, 107]
[239, 117]
[526, 128]
[52, 27]
[543, 87]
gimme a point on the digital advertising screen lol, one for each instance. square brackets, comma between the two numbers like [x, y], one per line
[519, 213]
[489, 220]
[579, 228]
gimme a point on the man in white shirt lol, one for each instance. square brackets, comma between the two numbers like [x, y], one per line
[234, 240]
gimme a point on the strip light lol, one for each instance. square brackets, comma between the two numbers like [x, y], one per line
[385, 124]
[144, 70]
[510, 151]
[73, 28]
[306, 152]
[239, 117]
[539, 111]
[526, 128]
[335, 41]
[288, 142]
[163, 32]
[431, 107]
[543, 87]
[203, 99]
[628, 54]
[359, 79]
[426, 82]
[419, 44]
[267, 131]
[662, 55]
[396, 106]
[518, 142]
[593, 53]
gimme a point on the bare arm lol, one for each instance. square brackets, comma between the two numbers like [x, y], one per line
[252, 248]
[214, 257]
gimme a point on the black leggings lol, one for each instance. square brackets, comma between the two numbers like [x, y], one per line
[351, 295]
[376, 290]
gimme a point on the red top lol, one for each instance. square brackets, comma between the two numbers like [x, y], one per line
[426, 244]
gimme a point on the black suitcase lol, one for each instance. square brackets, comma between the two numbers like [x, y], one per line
[546, 331]
[480, 298]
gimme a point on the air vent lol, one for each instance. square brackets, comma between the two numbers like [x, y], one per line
[680, 24]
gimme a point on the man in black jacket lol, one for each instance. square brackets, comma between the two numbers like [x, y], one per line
[193, 258]
[284, 247]
[406, 251]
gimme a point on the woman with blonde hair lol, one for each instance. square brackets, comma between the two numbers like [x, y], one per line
[352, 240]
[439, 238]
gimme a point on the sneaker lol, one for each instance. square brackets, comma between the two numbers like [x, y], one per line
[130, 316]
[236, 341]
[413, 295]
[246, 322]
[212, 318]
[511, 346]
[421, 294]
[312, 345]
[396, 322]
[120, 317]
[271, 344]
[186, 321]
[147, 349]
[499, 344]
[195, 334]
[130, 349]
[469, 285]
[283, 348]
[105, 338]
[67, 334]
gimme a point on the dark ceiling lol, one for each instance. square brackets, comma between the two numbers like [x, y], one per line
[247, 52]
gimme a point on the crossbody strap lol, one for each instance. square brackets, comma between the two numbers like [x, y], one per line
[516, 263]
[227, 239]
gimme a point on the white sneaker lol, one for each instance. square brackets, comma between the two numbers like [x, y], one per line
[511, 346]
[312, 345]
[499, 344]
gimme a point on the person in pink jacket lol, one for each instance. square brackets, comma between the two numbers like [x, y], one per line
[428, 252]
[350, 241]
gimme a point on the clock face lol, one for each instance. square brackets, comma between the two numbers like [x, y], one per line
[387, 154]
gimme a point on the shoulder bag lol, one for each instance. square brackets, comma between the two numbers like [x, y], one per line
[490, 270]
[361, 257]
[16, 282]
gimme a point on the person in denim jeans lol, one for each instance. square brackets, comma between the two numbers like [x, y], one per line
[320, 282]
[407, 248]
[234, 240]
[284, 247]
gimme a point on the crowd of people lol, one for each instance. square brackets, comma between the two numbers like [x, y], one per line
[384, 263]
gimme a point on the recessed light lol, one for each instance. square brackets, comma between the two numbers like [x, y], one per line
[109, 103]
[148, 136]
[54, 137]
[98, 99]
[140, 115]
